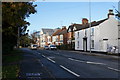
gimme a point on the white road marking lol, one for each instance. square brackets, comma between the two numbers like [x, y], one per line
[70, 71]
[51, 60]
[43, 56]
[51, 57]
[88, 62]
[75, 60]
[95, 63]
[114, 69]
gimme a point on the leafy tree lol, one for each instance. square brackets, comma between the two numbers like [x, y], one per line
[13, 19]
[25, 40]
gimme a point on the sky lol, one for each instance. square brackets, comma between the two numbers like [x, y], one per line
[57, 14]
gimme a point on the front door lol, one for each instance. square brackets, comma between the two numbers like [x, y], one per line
[84, 44]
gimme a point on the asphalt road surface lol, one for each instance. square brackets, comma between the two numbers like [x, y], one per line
[54, 64]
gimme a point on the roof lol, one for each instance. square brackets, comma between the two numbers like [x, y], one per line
[62, 32]
[84, 26]
[56, 33]
[47, 31]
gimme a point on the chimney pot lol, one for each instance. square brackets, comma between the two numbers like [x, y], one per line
[84, 21]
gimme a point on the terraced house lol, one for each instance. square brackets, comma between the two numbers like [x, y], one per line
[101, 37]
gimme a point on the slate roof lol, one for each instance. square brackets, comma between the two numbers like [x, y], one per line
[84, 26]
[48, 31]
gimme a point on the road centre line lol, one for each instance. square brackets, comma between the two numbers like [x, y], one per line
[75, 60]
[43, 56]
[70, 71]
[89, 62]
[113, 69]
[51, 60]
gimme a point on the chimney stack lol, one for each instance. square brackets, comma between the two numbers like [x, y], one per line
[63, 27]
[110, 14]
[84, 21]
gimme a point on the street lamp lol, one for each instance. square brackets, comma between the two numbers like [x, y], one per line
[90, 22]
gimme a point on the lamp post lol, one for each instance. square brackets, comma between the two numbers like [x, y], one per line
[90, 22]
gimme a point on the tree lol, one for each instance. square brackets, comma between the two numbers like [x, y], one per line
[118, 14]
[13, 19]
[25, 40]
[117, 11]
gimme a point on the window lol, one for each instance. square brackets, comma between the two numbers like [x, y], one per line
[61, 37]
[92, 31]
[78, 34]
[92, 44]
[78, 44]
[85, 32]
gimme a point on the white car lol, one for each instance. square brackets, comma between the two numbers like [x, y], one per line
[34, 46]
[46, 47]
[52, 47]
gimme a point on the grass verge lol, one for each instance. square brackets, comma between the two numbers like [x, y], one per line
[11, 64]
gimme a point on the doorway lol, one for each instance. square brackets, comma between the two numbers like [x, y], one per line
[85, 44]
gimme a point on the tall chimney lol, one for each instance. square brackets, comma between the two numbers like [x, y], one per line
[110, 14]
[84, 21]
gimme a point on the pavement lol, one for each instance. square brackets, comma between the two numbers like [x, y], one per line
[32, 68]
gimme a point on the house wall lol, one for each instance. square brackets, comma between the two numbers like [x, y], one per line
[109, 30]
[65, 38]
[69, 34]
[42, 40]
[106, 30]
[53, 39]
[49, 41]
[61, 39]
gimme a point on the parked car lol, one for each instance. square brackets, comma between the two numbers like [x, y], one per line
[46, 47]
[34, 46]
[52, 47]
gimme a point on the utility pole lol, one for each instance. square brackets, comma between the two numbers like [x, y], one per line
[18, 38]
[90, 22]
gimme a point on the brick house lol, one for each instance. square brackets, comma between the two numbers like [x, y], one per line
[71, 32]
[60, 36]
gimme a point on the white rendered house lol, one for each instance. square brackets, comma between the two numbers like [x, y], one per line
[104, 35]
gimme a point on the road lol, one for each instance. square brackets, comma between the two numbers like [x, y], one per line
[67, 64]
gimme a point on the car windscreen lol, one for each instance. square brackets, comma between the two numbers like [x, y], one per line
[34, 45]
[52, 46]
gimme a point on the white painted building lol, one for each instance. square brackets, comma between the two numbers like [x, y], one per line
[45, 36]
[104, 36]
